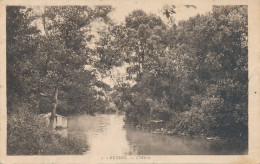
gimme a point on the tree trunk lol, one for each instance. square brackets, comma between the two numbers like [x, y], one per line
[54, 103]
[151, 111]
[177, 96]
[37, 108]
[170, 93]
[154, 87]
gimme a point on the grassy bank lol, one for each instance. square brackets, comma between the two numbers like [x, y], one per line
[28, 135]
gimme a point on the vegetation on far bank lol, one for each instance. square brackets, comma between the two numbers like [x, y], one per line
[191, 75]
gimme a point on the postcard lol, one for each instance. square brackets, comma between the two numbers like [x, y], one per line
[137, 81]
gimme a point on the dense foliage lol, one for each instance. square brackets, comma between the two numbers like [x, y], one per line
[46, 69]
[192, 75]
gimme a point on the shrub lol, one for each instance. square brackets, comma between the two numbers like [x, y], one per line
[211, 117]
[28, 135]
[190, 122]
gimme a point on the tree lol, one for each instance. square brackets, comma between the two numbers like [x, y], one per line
[141, 31]
[64, 44]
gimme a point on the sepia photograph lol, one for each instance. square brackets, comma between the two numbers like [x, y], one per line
[127, 82]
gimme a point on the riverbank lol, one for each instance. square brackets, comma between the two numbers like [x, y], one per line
[191, 123]
[29, 135]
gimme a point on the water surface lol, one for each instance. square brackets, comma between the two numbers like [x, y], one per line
[106, 135]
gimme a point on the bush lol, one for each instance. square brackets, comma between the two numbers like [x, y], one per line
[190, 123]
[138, 114]
[28, 135]
[210, 117]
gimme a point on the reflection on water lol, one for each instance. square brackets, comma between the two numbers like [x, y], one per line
[105, 135]
[152, 144]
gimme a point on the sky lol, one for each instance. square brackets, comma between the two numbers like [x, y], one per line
[124, 8]
[182, 12]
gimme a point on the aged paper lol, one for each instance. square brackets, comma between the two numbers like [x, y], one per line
[123, 8]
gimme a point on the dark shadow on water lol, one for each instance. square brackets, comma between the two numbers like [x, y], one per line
[155, 144]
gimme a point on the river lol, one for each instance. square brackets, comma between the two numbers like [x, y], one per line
[105, 135]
